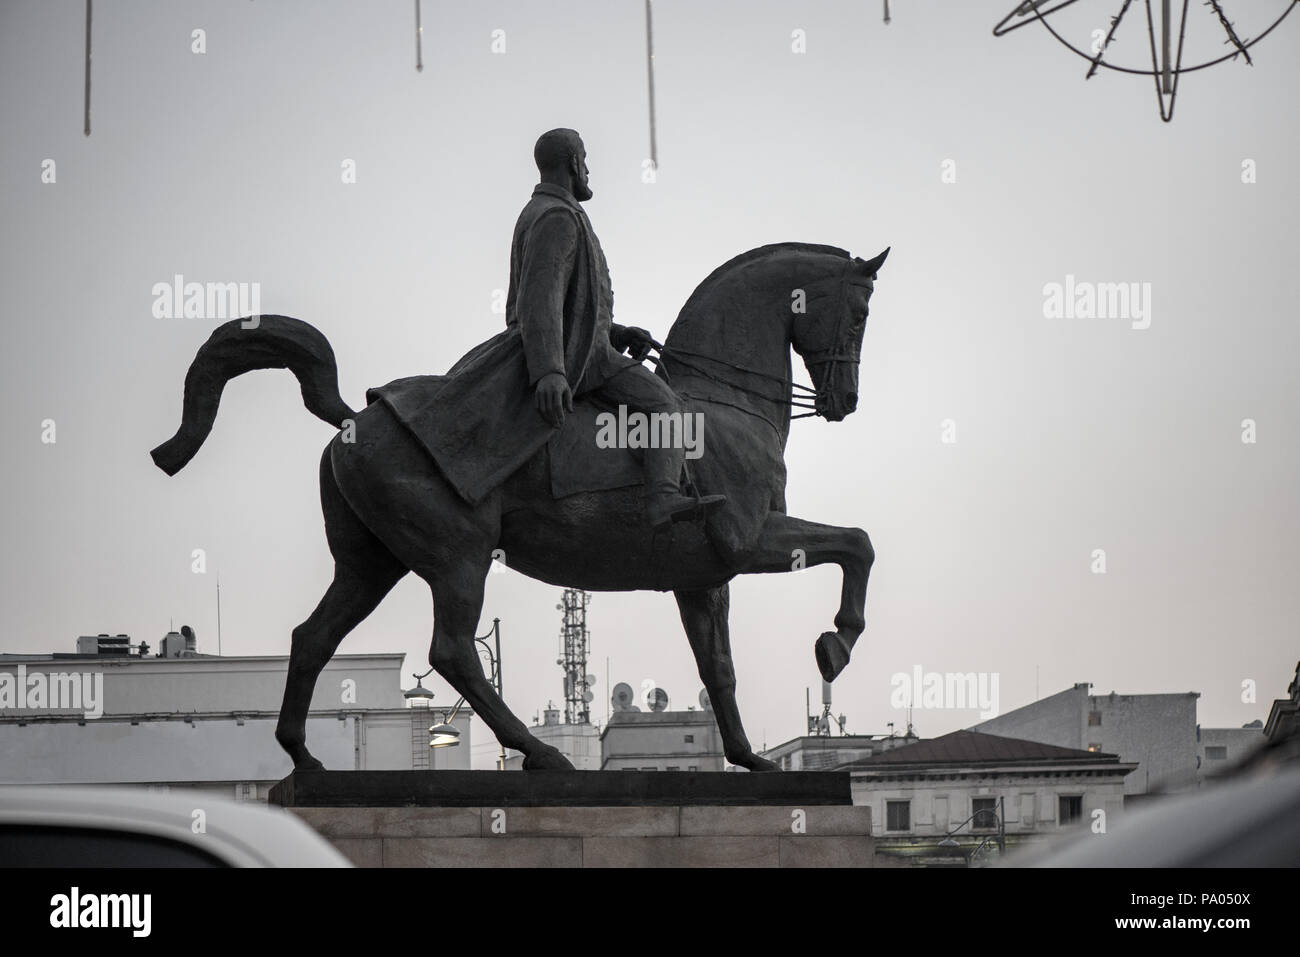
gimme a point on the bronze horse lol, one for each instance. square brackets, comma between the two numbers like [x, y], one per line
[389, 511]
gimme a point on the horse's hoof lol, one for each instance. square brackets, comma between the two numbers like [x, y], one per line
[752, 762]
[308, 764]
[548, 759]
[832, 654]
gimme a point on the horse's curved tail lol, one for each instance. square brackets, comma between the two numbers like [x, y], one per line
[242, 345]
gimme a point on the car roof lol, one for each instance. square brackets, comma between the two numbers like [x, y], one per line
[1250, 822]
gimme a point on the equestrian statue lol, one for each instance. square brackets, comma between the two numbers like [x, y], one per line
[553, 449]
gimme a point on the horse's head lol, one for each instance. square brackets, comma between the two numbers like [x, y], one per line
[828, 336]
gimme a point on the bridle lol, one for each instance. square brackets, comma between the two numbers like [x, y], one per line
[807, 397]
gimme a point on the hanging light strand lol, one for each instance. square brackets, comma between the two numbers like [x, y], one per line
[1227, 28]
[86, 127]
[650, 76]
[1110, 35]
[419, 40]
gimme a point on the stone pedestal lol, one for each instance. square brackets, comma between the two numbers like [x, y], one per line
[585, 819]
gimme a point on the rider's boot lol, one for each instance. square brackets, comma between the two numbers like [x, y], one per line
[664, 501]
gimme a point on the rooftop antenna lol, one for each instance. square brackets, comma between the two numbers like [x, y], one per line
[886, 12]
[623, 697]
[218, 614]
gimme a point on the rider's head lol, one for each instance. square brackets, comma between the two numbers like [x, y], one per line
[562, 160]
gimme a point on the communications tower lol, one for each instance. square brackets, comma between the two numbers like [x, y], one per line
[575, 643]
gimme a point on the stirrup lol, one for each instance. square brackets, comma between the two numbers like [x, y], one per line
[680, 508]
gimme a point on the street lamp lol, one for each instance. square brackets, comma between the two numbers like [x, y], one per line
[444, 734]
[419, 696]
[1000, 838]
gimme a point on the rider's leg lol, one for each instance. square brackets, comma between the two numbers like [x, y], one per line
[641, 391]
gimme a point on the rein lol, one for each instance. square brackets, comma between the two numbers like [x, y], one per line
[792, 400]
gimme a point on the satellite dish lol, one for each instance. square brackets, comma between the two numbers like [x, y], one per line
[591, 680]
[657, 699]
[705, 702]
[623, 697]
[588, 696]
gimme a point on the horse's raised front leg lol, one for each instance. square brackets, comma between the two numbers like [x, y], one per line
[787, 544]
[704, 616]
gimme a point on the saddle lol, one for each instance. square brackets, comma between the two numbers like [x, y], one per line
[570, 464]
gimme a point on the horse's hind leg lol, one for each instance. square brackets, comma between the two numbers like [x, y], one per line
[457, 604]
[421, 520]
[704, 616]
[364, 572]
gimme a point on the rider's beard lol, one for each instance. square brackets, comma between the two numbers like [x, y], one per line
[582, 192]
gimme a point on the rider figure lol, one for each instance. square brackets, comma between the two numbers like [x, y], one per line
[553, 256]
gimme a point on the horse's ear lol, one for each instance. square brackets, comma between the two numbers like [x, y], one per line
[873, 265]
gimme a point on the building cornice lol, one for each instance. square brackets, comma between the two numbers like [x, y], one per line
[955, 772]
[76, 717]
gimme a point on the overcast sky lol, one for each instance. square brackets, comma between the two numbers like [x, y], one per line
[1072, 434]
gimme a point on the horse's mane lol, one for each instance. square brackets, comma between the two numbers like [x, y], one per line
[745, 258]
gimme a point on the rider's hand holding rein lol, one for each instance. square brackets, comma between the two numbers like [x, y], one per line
[554, 398]
[633, 340]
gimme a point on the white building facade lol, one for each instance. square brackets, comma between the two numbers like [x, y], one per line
[206, 722]
[972, 790]
[662, 741]
[579, 742]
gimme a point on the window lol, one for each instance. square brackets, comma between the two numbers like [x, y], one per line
[673, 767]
[693, 767]
[985, 811]
[1071, 809]
[1027, 803]
[898, 815]
[55, 845]
[1216, 752]
[1094, 719]
[690, 739]
[1094, 747]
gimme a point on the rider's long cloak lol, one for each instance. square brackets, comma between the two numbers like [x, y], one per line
[480, 422]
